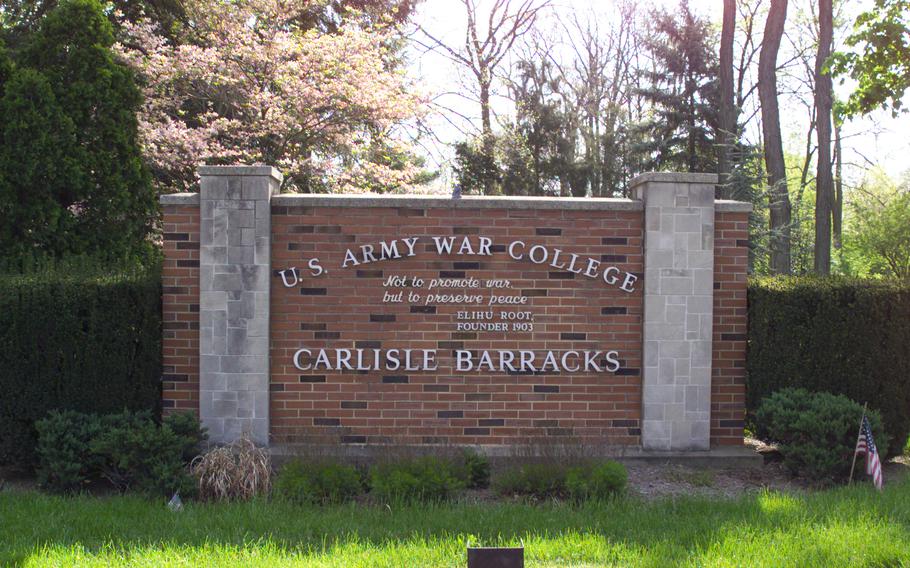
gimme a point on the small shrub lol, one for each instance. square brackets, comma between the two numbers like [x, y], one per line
[815, 432]
[189, 432]
[240, 470]
[138, 454]
[474, 469]
[597, 481]
[65, 460]
[426, 478]
[317, 483]
[539, 480]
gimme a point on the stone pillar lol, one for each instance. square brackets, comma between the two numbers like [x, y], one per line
[678, 309]
[234, 267]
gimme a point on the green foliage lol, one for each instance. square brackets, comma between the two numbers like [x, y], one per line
[65, 460]
[881, 63]
[882, 234]
[474, 169]
[476, 469]
[71, 173]
[539, 480]
[319, 483]
[836, 335]
[137, 454]
[683, 89]
[599, 481]
[78, 337]
[190, 433]
[128, 448]
[426, 478]
[816, 432]
[40, 165]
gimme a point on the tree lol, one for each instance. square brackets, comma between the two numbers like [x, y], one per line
[881, 67]
[824, 181]
[727, 129]
[485, 49]
[881, 233]
[87, 118]
[40, 169]
[683, 91]
[774, 152]
[251, 83]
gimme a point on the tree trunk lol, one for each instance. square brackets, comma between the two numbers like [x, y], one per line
[838, 188]
[487, 141]
[779, 197]
[824, 182]
[727, 131]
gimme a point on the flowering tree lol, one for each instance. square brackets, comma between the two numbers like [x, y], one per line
[248, 83]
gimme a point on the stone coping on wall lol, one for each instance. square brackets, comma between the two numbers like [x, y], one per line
[443, 202]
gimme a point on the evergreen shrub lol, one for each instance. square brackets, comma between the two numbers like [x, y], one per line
[816, 433]
[837, 335]
[597, 481]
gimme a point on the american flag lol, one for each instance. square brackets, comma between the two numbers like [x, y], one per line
[866, 445]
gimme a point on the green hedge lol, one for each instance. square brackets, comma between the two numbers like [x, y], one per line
[75, 337]
[836, 335]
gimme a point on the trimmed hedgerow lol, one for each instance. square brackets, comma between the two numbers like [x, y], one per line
[75, 337]
[842, 336]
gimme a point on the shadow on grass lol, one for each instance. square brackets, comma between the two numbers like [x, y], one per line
[851, 526]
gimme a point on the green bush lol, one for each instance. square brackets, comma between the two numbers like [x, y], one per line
[422, 479]
[816, 432]
[128, 449]
[539, 480]
[473, 469]
[596, 481]
[190, 433]
[65, 460]
[137, 454]
[836, 335]
[75, 336]
[317, 483]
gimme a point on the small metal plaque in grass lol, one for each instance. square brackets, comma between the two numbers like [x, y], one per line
[496, 557]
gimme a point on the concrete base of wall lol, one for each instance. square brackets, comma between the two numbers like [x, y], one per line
[725, 457]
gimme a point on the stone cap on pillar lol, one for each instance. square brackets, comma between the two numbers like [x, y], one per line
[240, 171]
[673, 177]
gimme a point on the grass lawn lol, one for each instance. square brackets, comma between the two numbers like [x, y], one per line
[842, 527]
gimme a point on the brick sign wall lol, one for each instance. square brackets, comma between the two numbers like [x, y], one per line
[529, 327]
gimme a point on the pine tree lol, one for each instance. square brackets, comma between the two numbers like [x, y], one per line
[684, 92]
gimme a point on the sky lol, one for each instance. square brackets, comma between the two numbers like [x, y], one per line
[878, 139]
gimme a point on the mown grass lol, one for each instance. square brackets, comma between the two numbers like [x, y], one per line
[843, 527]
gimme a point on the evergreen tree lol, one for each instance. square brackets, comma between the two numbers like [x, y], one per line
[684, 92]
[114, 203]
[40, 169]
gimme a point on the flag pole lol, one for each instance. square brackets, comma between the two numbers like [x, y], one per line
[858, 434]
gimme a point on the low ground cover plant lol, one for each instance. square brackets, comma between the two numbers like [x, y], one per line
[129, 449]
[816, 432]
[546, 480]
[426, 478]
[318, 482]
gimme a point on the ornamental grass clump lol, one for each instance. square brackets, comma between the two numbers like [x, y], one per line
[237, 471]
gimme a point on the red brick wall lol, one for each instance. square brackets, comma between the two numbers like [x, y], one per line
[728, 384]
[344, 309]
[180, 307]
